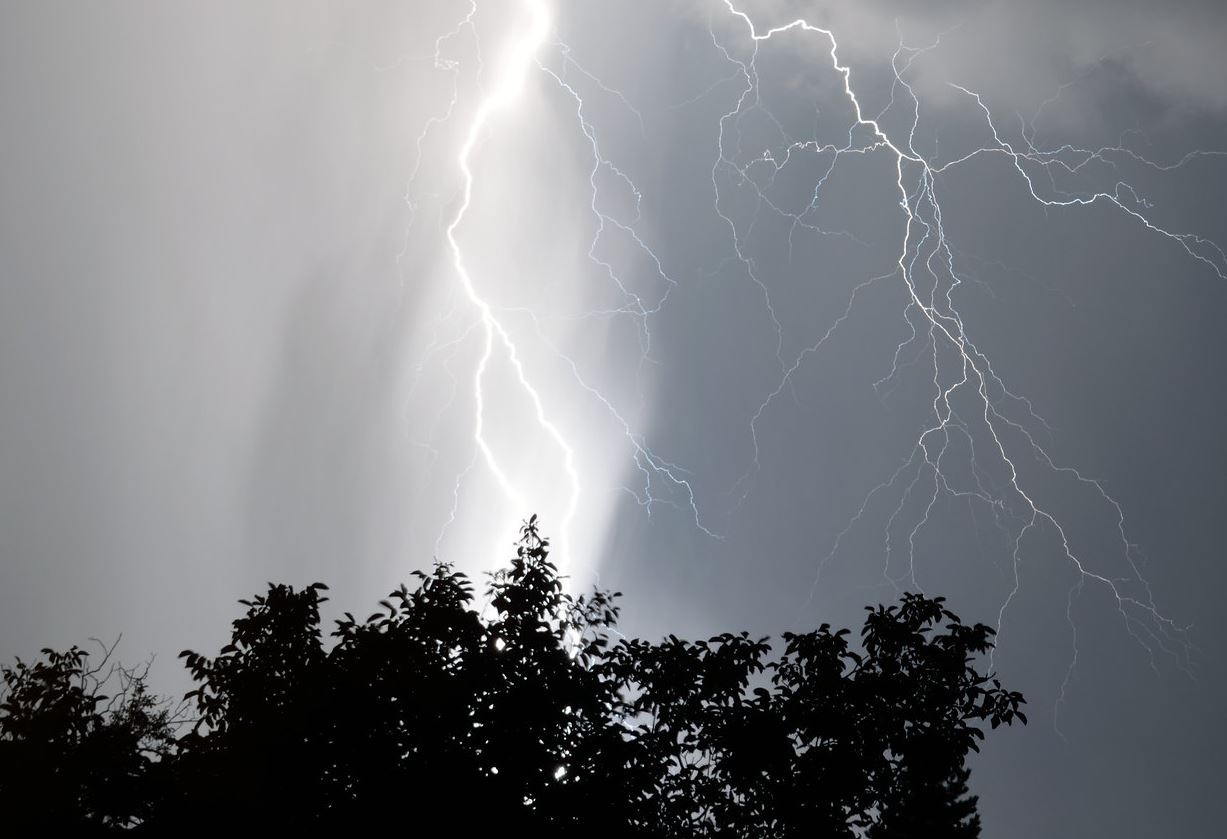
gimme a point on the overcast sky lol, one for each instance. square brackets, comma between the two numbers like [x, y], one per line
[754, 363]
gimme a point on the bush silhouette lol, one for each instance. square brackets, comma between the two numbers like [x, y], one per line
[531, 714]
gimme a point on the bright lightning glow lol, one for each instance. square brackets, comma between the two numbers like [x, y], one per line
[656, 474]
[511, 79]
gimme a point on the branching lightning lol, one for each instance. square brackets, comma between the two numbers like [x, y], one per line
[926, 268]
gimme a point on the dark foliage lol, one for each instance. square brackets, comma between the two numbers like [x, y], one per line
[524, 715]
[71, 758]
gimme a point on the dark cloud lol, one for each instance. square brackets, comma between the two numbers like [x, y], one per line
[1022, 52]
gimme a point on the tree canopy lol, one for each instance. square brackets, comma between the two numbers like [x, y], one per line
[524, 711]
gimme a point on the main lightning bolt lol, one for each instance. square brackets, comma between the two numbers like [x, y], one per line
[656, 474]
[511, 80]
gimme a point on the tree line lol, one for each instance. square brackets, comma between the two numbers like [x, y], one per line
[525, 712]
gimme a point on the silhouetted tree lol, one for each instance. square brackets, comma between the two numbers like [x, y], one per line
[527, 715]
[72, 758]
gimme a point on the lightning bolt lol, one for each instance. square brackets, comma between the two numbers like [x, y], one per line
[660, 481]
[981, 442]
[926, 269]
[511, 80]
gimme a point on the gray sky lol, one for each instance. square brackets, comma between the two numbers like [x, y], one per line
[235, 345]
